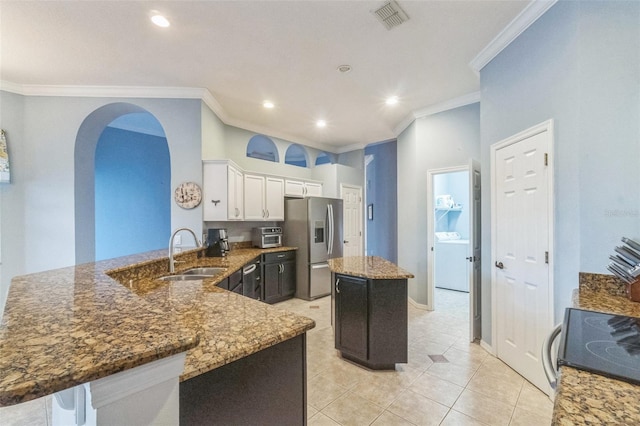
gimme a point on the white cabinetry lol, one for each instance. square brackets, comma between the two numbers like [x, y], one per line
[263, 198]
[223, 191]
[298, 188]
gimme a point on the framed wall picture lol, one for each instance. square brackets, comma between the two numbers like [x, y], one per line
[5, 173]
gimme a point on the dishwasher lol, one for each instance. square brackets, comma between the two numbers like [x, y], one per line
[251, 281]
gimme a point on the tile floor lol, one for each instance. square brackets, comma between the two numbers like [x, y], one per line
[472, 388]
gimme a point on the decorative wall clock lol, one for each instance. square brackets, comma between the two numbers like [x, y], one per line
[188, 195]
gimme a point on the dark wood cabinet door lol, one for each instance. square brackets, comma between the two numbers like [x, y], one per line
[288, 277]
[351, 316]
[271, 281]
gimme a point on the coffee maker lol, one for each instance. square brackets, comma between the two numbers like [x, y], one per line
[217, 243]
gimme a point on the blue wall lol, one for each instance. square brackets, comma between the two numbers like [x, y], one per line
[579, 64]
[381, 191]
[133, 194]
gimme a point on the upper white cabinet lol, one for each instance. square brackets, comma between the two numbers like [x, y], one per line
[298, 188]
[223, 191]
[263, 197]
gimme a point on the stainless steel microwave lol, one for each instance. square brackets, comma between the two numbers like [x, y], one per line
[267, 236]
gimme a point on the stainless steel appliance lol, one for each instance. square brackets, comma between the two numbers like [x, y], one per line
[251, 282]
[217, 242]
[267, 236]
[314, 225]
[601, 343]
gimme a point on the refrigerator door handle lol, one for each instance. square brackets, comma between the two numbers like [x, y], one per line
[330, 206]
[328, 224]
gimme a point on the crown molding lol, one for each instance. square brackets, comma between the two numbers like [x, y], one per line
[210, 101]
[520, 23]
[460, 101]
[105, 91]
[154, 92]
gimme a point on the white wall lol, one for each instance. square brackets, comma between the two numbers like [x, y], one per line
[38, 220]
[213, 135]
[12, 218]
[579, 64]
[446, 139]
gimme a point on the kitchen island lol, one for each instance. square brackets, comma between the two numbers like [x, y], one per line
[369, 307]
[588, 398]
[81, 324]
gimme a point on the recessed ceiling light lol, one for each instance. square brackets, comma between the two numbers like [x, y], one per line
[392, 100]
[160, 20]
[268, 104]
[344, 68]
[321, 123]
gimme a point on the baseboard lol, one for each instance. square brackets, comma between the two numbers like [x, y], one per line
[487, 347]
[418, 305]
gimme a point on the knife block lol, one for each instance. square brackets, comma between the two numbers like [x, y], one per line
[633, 291]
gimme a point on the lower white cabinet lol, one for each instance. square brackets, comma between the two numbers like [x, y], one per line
[263, 198]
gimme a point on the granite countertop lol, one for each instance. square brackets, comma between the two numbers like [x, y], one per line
[373, 267]
[588, 398]
[73, 325]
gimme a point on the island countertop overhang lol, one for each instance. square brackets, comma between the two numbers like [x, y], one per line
[372, 267]
[73, 325]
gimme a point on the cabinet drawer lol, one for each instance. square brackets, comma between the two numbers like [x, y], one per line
[280, 256]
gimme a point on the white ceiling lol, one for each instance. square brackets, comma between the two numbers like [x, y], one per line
[244, 52]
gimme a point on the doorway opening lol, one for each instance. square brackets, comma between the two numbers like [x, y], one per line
[86, 148]
[132, 187]
[451, 243]
[453, 237]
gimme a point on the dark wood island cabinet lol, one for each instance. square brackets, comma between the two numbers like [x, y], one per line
[369, 298]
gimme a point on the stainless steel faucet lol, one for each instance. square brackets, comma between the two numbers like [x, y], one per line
[172, 262]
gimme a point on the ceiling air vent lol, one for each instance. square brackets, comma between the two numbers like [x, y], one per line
[391, 15]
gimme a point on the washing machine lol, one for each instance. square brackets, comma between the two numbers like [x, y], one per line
[451, 262]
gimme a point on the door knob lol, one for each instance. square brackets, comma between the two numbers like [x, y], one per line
[499, 265]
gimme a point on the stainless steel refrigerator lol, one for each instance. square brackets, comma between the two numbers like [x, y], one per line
[314, 225]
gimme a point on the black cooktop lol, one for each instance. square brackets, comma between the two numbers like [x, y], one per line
[601, 343]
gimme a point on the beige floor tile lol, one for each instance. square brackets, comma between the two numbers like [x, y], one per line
[345, 373]
[321, 391]
[418, 359]
[32, 413]
[379, 390]
[311, 411]
[437, 389]
[498, 387]
[527, 418]
[321, 420]
[534, 400]
[461, 357]
[351, 409]
[418, 409]
[483, 408]
[390, 419]
[492, 365]
[454, 373]
[455, 418]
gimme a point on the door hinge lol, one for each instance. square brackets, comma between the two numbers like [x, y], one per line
[546, 257]
[360, 233]
[546, 159]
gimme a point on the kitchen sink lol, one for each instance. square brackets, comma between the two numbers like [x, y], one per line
[211, 271]
[184, 277]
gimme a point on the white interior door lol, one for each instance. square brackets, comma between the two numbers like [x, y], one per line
[475, 324]
[521, 275]
[352, 219]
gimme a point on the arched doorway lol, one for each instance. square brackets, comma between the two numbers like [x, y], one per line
[103, 157]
